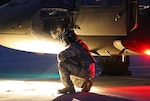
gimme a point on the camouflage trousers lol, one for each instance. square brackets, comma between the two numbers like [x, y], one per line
[71, 74]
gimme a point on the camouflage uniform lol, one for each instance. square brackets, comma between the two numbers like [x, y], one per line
[76, 60]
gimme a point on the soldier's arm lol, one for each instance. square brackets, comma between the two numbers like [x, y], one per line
[69, 52]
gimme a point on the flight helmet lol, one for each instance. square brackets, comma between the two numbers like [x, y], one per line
[68, 37]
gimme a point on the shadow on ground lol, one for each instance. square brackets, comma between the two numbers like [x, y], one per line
[86, 96]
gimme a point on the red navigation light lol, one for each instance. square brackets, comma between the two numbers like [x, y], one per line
[147, 52]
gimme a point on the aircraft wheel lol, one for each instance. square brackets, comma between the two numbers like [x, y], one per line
[113, 65]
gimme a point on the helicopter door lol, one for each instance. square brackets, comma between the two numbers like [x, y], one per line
[102, 17]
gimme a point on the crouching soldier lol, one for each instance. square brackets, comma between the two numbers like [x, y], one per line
[75, 64]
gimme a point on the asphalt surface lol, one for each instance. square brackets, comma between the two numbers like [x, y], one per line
[135, 87]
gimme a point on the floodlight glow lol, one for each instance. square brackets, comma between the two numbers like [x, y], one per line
[32, 44]
[39, 46]
[30, 87]
[35, 87]
[147, 52]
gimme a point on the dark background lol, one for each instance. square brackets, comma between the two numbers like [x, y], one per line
[25, 65]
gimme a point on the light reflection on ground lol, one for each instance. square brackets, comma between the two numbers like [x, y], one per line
[47, 91]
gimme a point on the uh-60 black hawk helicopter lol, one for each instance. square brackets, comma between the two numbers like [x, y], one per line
[113, 29]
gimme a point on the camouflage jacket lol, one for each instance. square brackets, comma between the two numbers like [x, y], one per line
[77, 53]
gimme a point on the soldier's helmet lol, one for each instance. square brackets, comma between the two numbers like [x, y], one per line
[68, 37]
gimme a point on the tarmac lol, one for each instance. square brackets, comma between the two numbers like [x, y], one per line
[135, 87]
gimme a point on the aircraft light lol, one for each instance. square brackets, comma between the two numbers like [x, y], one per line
[147, 52]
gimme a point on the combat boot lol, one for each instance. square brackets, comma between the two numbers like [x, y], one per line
[67, 90]
[87, 86]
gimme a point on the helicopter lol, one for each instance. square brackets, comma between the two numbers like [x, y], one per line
[113, 29]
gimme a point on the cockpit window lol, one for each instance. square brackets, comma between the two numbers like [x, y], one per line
[102, 2]
[2, 2]
[144, 7]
